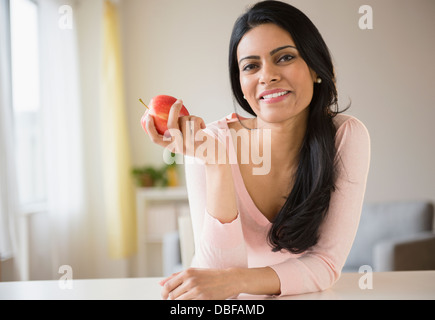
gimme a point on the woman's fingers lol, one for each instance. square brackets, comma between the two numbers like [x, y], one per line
[174, 113]
[183, 135]
[162, 282]
[192, 127]
[151, 129]
[172, 283]
[179, 287]
[199, 284]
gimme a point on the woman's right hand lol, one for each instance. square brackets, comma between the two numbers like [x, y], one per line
[185, 135]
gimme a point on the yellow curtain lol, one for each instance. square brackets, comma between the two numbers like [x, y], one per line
[119, 188]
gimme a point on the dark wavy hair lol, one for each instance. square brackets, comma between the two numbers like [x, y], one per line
[296, 226]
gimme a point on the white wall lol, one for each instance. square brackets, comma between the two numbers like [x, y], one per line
[180, 48]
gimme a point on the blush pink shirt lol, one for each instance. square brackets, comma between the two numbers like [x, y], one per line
[243, 242]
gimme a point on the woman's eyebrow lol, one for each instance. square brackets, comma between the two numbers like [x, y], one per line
[281, 48]
[271, 53]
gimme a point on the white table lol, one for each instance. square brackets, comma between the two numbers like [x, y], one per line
[386, 285]
[89, 289]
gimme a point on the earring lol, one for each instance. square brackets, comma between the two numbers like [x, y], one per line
[319, 80]
[244, 97]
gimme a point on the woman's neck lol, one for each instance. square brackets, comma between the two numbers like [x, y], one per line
[286, 140]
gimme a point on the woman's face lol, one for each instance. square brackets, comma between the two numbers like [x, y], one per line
[275, 80]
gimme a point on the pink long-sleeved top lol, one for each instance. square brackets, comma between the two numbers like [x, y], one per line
[243, 242]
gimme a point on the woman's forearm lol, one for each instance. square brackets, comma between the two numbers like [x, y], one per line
[256, 281]
[221, 204]
[221, 197]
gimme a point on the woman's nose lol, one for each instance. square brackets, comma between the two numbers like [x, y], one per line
[269, 74]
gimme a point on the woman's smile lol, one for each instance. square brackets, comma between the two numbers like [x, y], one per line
[274, 96]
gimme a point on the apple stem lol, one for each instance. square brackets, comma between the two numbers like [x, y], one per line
[143, 103]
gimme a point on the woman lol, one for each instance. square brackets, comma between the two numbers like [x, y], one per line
[287, 231]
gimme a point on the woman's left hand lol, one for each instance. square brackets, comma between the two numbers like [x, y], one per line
[200, 284]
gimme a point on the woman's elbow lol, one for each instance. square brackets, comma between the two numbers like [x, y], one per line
[329, 279]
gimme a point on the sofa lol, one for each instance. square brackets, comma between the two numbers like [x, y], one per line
[392, 236]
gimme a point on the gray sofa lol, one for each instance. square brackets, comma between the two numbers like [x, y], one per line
[391, 236]
[395, 236]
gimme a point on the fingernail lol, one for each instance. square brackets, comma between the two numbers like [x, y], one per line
[167, 134]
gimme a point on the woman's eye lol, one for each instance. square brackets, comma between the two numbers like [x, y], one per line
[249, 67]
[285, 58]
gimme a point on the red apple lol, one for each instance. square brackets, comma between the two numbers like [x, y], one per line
[159, 107]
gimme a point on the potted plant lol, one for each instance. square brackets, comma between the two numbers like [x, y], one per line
[146, 176]
[149, 176]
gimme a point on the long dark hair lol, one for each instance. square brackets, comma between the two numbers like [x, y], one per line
[296, 226]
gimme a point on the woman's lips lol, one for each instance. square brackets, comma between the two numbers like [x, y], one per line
[273, 97]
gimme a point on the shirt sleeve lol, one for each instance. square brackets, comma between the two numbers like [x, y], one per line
[320, 267]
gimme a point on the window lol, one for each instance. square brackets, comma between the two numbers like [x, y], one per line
[27, 113]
